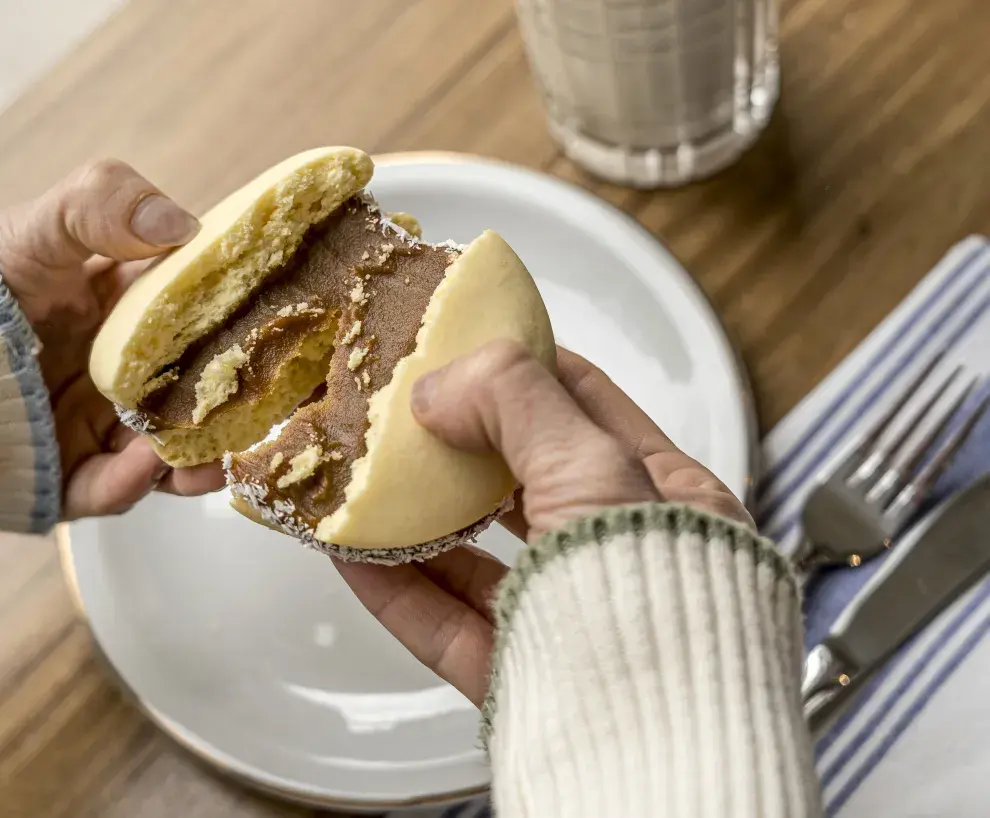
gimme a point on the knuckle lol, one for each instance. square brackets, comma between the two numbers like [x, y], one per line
[501, 355]
[99, 178]
[495, 366]
[608, 449]
[457, 643]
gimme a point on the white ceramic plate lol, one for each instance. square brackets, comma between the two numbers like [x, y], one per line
[250, 651]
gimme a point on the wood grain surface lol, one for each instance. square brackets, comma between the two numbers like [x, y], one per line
[875, 163]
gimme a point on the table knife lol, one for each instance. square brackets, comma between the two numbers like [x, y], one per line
[916, 582]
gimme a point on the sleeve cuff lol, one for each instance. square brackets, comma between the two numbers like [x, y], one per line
[30, 467]
[648, 662]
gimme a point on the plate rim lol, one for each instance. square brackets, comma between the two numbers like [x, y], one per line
[255, 779]
[202, 752]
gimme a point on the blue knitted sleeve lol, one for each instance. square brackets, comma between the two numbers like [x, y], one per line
[30, 470]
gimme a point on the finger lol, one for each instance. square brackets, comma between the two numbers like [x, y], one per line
[110, 282]
[715, 500]
[619, 415]
[194, 481]
[502, 398]
[112, 483]
[119, 438]
[104, 208]
[97, 265]
[446, 635]
[514, 520]
[608, 406]
[468, 574]
[104, 421]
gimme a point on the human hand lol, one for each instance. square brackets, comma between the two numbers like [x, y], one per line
[576, 446]
[67, 257]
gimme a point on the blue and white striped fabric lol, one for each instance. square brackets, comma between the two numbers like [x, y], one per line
[916, 742]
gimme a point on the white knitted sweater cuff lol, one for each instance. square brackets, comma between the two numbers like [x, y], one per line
[648, 664]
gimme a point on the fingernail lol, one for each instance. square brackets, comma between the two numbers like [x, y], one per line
[423, 393]
[160, 221]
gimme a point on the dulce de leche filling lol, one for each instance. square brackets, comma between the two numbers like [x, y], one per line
[357, 279]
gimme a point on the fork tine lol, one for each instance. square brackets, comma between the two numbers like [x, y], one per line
[883, 455]
[918, 489]
[870, 462]
[914, 460]
[896, 478]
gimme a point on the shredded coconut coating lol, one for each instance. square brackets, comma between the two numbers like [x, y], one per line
[281, 515]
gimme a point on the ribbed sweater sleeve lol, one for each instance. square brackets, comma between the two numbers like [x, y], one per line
[648, 664]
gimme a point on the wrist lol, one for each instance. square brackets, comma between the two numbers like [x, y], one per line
[653, 527]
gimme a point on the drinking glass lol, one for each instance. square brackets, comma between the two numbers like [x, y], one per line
[653, 93]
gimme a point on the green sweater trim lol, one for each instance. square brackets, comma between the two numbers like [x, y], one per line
[664, 518]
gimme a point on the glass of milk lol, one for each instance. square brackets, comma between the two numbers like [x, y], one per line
[653, 93]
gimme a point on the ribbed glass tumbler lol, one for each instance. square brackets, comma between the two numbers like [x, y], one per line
[654, 93]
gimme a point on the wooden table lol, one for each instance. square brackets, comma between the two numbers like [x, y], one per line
[876, 161]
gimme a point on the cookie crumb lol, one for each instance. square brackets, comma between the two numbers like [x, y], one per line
[357, 294]
[301, 466]
[358, 354]
[297, 309]
[352, 333]
[384, 252]
[276, 462]
[218, 382]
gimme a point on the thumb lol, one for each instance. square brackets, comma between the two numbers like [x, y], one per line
[112, 483]
[105, 208]
[502, 398]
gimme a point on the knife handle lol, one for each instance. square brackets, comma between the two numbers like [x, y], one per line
[826, 677]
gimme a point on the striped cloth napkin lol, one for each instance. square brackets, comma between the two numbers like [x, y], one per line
[915, 743]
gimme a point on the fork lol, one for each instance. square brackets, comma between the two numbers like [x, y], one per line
[875, 493]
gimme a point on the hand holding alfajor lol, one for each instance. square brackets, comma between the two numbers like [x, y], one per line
[300, 303]
[580, 447]
[65, 258]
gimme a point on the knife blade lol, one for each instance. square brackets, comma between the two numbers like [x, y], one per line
[917, 581]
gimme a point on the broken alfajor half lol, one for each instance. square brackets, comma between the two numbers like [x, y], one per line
[300, 299]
